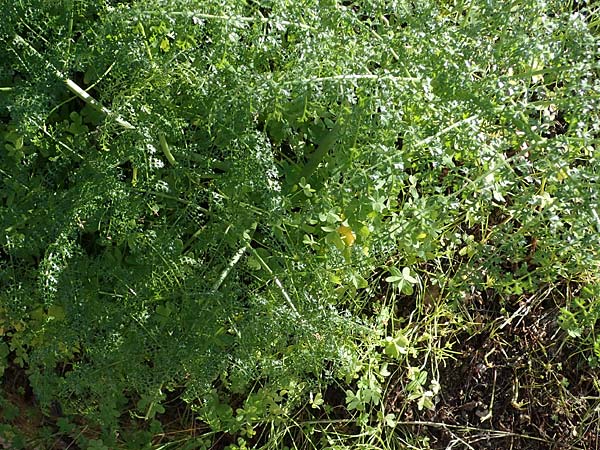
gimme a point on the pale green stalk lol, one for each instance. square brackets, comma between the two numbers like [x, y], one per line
[77, 90]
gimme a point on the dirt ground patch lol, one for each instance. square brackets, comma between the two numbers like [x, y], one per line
[514, 384]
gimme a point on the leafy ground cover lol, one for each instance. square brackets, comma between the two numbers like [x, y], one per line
[303, 225]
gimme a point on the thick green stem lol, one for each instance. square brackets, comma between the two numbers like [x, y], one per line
[166, 150]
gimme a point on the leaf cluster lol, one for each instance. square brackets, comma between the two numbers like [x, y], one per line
[201, 198]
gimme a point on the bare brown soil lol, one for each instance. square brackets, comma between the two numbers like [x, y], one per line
[513, 385]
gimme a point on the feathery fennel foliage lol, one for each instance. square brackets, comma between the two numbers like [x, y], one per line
[245, 169]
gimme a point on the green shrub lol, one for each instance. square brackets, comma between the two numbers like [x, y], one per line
[218, 218]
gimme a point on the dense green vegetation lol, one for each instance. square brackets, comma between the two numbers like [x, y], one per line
[304, 225]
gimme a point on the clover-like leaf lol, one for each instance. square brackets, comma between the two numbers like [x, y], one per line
[397, 346]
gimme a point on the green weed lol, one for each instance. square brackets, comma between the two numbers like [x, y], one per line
[270, 224]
